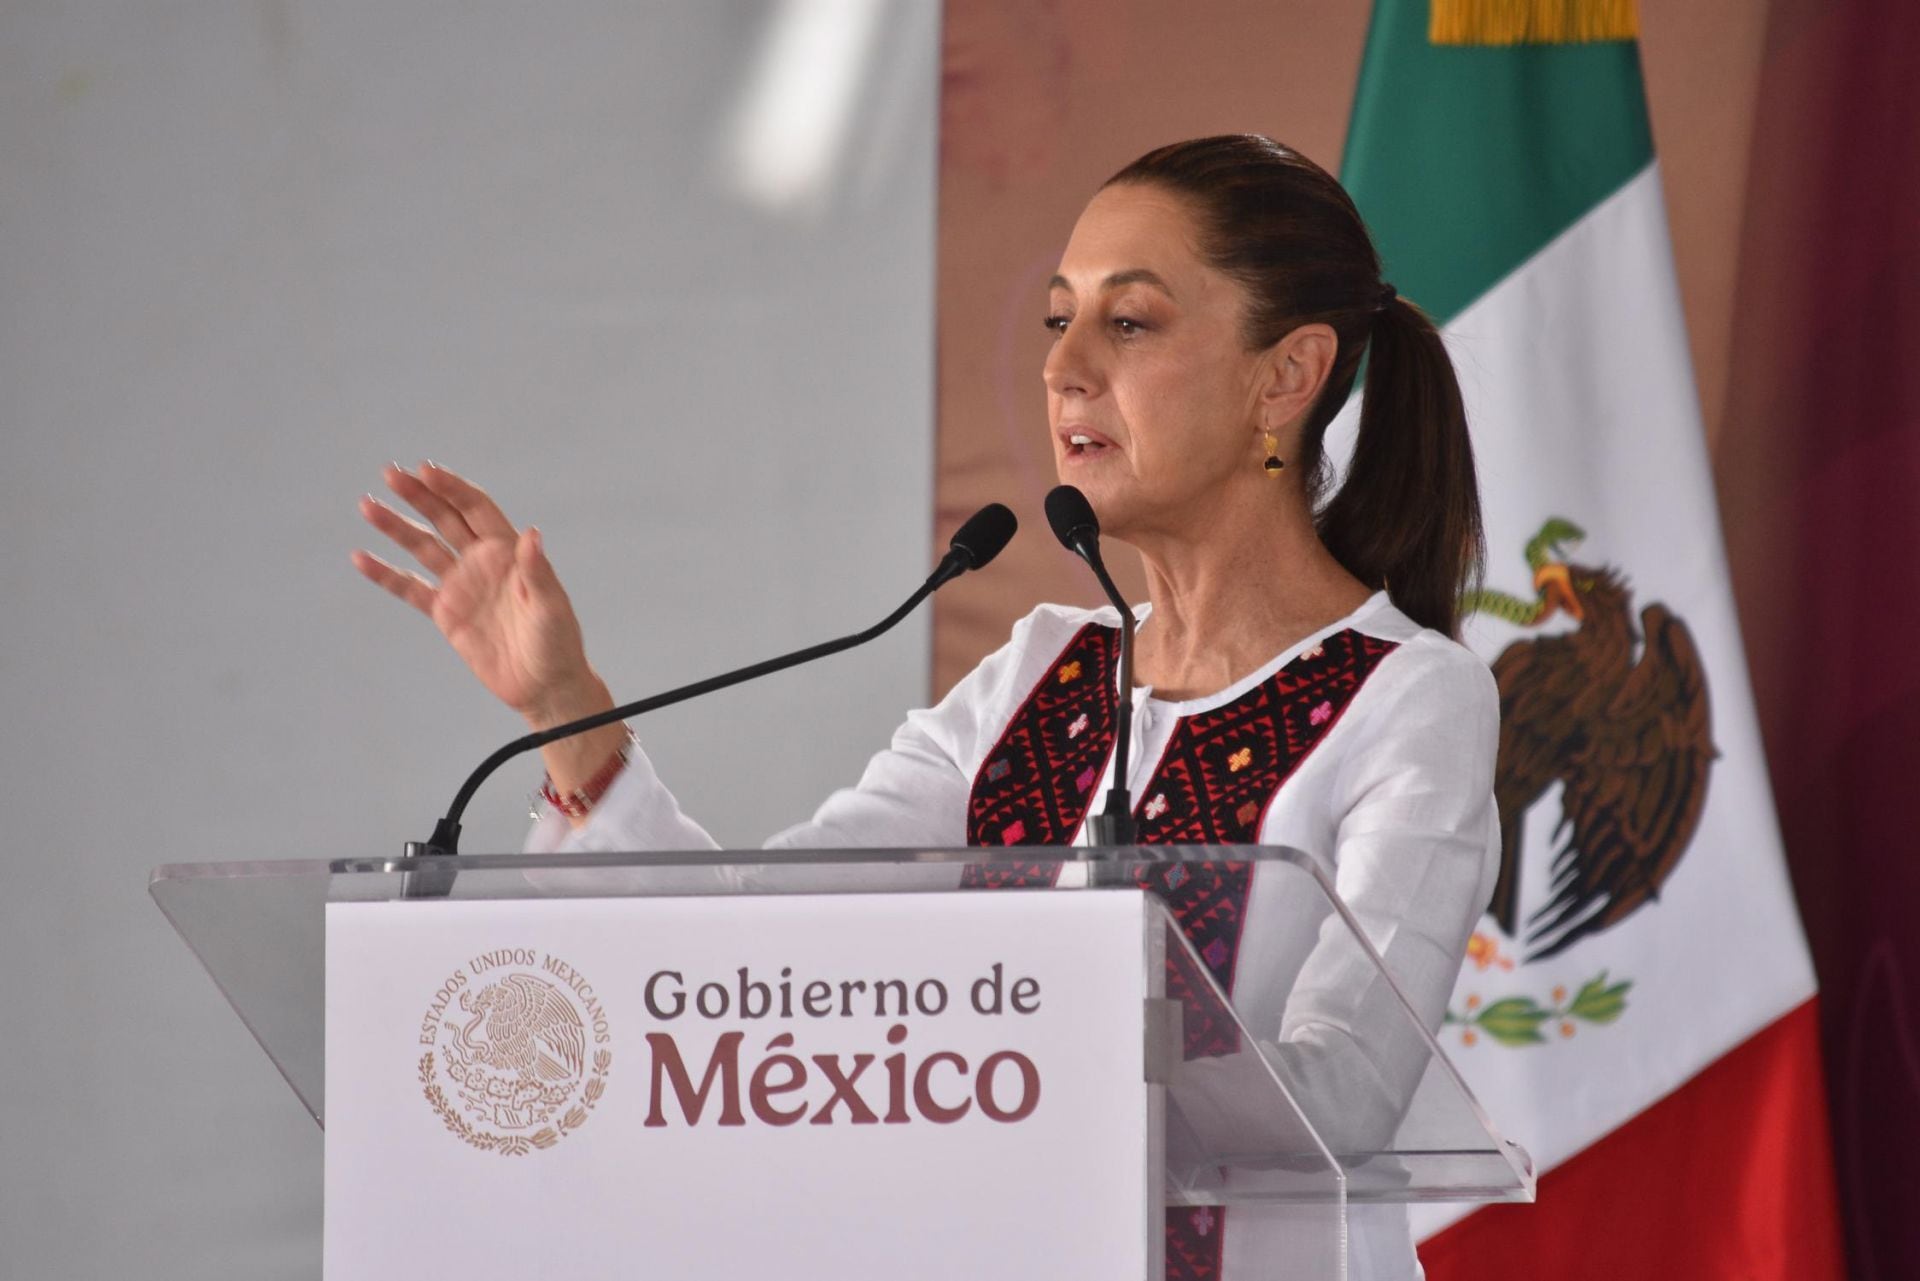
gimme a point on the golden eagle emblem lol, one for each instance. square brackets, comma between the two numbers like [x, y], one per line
[519, 1060]
[1618, 716]
[520, 1055]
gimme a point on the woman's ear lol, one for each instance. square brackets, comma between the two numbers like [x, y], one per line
[1296, 369]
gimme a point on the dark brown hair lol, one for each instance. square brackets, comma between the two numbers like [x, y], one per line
[1407, 515]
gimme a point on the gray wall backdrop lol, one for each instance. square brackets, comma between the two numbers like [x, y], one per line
[250, 252]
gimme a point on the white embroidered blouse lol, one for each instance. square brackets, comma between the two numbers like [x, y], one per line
[1395, 800]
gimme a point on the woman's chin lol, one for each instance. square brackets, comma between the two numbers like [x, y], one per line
[1115, 504]
[1092, 473]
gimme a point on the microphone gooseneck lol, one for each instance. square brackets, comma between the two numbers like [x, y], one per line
[973, 546]
[1078, 529]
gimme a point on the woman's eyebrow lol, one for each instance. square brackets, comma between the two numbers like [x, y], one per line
[1132, 276]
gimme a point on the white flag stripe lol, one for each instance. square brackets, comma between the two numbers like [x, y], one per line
[1580, 393]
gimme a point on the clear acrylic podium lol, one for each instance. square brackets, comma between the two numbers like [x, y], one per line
[1245, 1110]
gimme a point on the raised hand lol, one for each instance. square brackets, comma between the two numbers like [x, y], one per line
[495, 596]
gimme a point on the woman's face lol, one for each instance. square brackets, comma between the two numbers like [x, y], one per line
[1153, 399]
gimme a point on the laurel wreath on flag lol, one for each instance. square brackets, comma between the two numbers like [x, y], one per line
[517, 1144]
[1520, 1020]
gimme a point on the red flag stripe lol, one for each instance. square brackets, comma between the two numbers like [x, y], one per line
[1729, 1177]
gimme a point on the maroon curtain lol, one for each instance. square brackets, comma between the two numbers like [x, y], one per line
[1819, 472]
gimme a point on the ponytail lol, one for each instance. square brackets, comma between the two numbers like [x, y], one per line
[1407, 516]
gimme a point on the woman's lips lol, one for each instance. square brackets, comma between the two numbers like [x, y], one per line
[1083, 442]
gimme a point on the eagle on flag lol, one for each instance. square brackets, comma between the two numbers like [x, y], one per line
[1618, 715]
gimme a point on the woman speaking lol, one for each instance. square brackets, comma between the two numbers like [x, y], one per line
[1297, 678]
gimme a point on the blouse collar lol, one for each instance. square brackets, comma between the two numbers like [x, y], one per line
[1207, 702]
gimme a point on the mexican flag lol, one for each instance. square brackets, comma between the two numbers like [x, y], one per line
[1637, 1008]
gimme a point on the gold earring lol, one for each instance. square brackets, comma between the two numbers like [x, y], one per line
[1273, 466]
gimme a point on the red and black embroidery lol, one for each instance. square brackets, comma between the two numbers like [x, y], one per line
[1222, 768]
[1194, 1242]
[1008, 876]
[1209, 901]
[1036, 785]
[1213, 786]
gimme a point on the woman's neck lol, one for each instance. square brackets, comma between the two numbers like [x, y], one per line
[1224, 603]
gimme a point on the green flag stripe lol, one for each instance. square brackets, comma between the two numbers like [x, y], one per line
[1465, 162]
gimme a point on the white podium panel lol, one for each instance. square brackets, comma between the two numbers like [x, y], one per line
[859, 1085]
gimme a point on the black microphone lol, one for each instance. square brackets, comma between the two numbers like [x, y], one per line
[1078, 529]
[975, 544]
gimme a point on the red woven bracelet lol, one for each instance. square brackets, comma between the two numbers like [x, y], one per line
[580, 802]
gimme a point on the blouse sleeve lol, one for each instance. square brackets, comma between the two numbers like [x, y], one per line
[1415, 856]
[913, 794]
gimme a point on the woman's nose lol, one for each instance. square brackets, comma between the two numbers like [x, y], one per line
[1069, 368]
